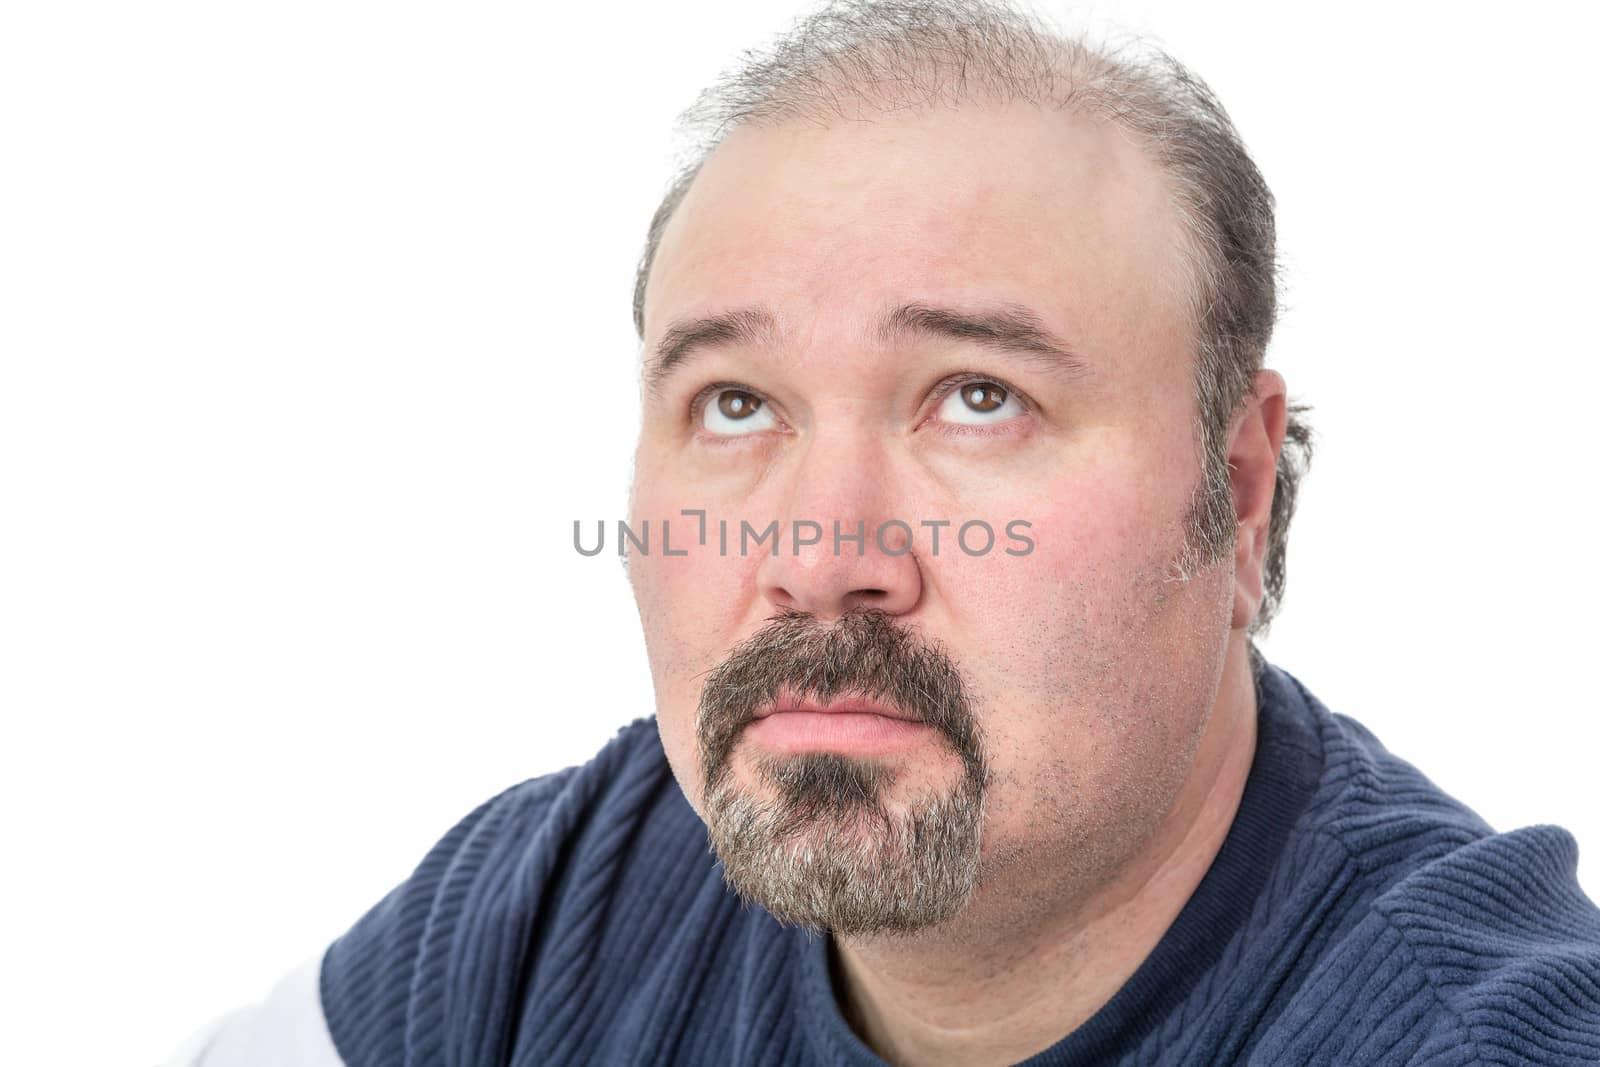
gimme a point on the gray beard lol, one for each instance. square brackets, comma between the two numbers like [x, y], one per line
[826, 853]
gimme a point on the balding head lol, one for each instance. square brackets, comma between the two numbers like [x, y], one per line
[855, 61]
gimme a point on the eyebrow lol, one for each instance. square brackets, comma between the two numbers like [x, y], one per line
[1007, 327]
[684, 339]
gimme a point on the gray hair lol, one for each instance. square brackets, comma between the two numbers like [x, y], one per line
[852, 56]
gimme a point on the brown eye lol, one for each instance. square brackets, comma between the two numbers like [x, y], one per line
[734, 404]
[980, 402]
[734, 412]
[983, 397]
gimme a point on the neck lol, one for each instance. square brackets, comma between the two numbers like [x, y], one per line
[1030, 978]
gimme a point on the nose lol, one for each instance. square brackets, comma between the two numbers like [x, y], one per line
[854, 551]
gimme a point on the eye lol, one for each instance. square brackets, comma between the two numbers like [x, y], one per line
[979, 402]
[734, 412]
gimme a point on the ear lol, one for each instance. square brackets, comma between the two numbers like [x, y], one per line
[1254, 441]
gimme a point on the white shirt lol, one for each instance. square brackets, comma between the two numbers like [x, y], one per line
[287, 1029]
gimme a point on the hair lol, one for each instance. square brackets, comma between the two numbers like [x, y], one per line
[853, 57]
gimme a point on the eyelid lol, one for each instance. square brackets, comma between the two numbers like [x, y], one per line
[956, 381]
[698, 402]
[942, 390]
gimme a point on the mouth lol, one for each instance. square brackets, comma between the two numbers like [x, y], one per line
[839, 705]
[855, 724]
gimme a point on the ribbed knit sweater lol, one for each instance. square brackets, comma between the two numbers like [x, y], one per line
[1355, 914]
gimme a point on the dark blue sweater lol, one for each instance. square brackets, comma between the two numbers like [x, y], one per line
[1355, 914]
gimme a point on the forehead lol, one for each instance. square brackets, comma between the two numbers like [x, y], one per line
[827, 225]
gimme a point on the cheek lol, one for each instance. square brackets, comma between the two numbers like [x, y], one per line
[1092, 685]
[676, 637]
[689, 604]
[1095, 540]
[688, 609]
[1057, 629]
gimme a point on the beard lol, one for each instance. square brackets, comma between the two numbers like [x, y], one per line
[827, 854]
[818, 846]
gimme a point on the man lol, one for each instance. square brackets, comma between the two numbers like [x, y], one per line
[970, 800]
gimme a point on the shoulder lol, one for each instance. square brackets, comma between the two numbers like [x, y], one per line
[1450, 942]
[378, 995]
[453, 935]
[1508, 943]
[1489, 953]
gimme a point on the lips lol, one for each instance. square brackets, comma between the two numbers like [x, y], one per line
[838, 705]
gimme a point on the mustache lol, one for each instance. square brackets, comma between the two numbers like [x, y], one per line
[865, 652]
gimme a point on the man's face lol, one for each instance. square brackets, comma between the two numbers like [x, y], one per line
[1062, 692]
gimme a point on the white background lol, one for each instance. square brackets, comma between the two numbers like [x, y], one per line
[315, 331]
